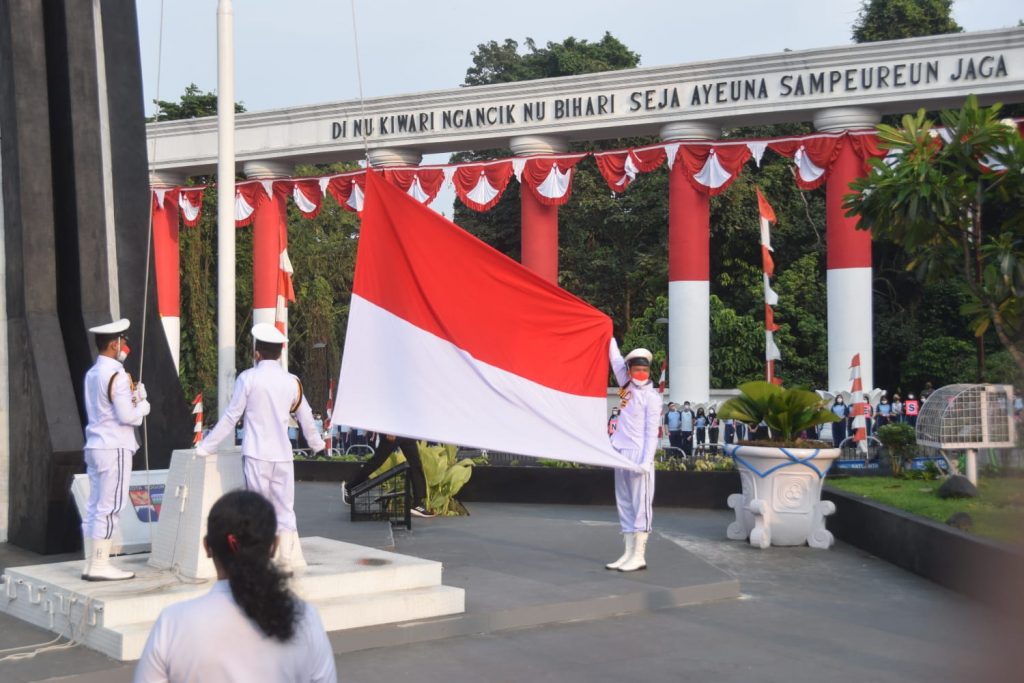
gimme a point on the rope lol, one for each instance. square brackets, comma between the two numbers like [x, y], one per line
[359, 80]
[145, 285]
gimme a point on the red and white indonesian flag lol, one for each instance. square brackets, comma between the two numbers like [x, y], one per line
[449, 340]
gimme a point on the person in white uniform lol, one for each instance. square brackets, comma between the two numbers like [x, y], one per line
[267, 395]
[250, 626]
[636, 438]
[114, 406]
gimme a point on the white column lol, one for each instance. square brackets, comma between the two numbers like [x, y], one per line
[689, 286]
[848, 259]
[393, 156]
[225, 204]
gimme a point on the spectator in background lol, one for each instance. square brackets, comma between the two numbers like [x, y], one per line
[700, 425]
[713, 427]
[896, 415]
[841, 411]
[250, 626]
[674, 426]
[911, 409]
[686, 426]
[884, 413]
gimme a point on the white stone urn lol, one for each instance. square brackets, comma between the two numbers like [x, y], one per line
[781, 500]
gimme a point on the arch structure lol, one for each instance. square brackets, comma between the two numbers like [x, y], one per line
[843, 90]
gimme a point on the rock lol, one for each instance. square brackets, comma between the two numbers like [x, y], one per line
[958, 486]
[961, 521]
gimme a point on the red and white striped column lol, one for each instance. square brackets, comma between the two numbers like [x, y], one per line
[689, 274]
[850, 329]
[269, 239]
[539, 221]
[167, 256]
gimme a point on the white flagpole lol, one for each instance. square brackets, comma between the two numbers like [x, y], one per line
[225, 204]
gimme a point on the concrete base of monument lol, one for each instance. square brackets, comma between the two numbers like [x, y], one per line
[352, 586]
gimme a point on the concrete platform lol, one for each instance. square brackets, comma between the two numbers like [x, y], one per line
[351, 585]
[801, 612]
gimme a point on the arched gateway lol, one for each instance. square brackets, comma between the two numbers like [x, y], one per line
[840, 89]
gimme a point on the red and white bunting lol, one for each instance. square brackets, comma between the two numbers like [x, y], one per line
[190, 201]
[621, 167]
[711, 168]
[197, 410]
[812, 155]
[549, 178]
[348, 190]
[422, 184]
[247, 197]
[308, 195]
[480, 186]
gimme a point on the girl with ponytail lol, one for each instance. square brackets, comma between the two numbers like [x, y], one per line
[250, 626]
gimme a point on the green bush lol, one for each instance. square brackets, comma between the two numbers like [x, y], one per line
[900, 445]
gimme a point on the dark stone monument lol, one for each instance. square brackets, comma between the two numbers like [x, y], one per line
[75, 193]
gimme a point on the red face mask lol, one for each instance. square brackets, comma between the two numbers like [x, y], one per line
[640, 374]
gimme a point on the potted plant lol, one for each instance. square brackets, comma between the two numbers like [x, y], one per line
[781, 475]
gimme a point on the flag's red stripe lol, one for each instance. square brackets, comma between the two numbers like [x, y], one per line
[426, 270]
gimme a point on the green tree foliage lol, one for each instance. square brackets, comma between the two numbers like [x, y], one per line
[957, 219]
[894, 19]
[193, 104]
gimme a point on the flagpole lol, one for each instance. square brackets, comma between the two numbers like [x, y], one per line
[225, 204]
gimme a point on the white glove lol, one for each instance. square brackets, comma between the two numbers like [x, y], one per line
[143, 407]
[647, 467]
[140, 391]
[202, 452]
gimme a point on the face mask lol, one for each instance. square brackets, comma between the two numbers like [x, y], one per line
[640, 376]
[122, 351]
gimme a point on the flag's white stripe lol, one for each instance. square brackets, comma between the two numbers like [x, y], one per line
[399, 379]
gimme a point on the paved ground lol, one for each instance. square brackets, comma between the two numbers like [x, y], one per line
[803, 615]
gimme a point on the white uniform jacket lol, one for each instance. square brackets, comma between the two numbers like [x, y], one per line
[210, 640]
[266, 395]
[640, 418]
[110, 407]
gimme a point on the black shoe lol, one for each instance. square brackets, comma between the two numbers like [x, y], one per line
[420, 511]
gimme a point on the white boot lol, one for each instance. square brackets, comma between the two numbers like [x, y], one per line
[87, 554]
[638, 560]
[630, 540]
[289, 552]
[99, 568]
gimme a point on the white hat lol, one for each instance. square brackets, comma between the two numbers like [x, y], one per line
[265, 332]
[639, 353]
[111, 328]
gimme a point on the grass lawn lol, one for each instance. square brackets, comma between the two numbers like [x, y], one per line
[998, 512]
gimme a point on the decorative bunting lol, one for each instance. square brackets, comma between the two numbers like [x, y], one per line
[620, 168]
[710, 168]
[190, 201]
[549, 179]
[480, 186]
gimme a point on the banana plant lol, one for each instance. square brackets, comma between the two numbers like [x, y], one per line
[787, 412]
[445, 475]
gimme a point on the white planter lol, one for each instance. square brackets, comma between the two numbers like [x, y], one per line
[781, 500]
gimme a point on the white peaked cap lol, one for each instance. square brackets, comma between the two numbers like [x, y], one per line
[111, 328]
[639, 353]
[265, 332]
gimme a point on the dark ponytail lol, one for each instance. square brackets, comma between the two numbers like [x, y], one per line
[240, 532]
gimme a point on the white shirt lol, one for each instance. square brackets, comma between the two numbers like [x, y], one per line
[640, 418]
[210, 640]
[265, 394]
[111, 423]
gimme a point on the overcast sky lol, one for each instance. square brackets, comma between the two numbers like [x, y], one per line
[295, 52]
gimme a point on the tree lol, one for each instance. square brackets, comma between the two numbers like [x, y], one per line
[894, 19]
[193, 104]
[955, 209]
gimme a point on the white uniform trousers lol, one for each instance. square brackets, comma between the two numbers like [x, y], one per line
[634, 496]
[275, 481]
[110, 473]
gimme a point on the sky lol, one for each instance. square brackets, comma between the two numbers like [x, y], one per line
[299, 52]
